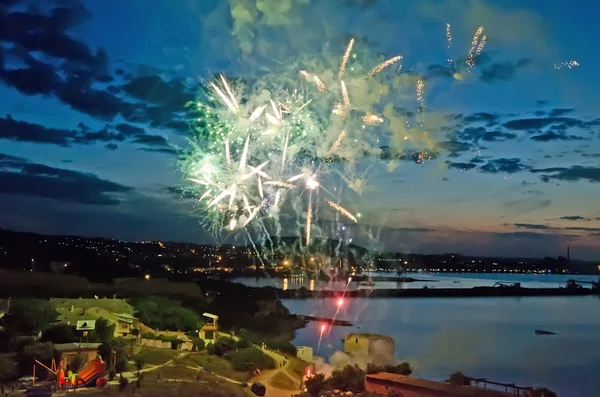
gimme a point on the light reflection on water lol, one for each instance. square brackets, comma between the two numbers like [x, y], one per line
[433, 280]
[483, 337]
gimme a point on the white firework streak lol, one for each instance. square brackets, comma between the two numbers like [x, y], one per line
[227, 153]
[230, 102]
[309, 218]
[372, 119]
[257, 112]
[285, 146]
[341, 210]
[345, 58]
[383, 65]
[337, 142]
[345, 95]
[284, 185]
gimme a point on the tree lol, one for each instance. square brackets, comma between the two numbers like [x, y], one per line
[59, 333]
[315, 384]
[164, 314]
[139, 363]
[223, 346]
[8, 369]
[31, 315]
[543, 392]
[403, 368]
[458, 379]
[103, 332]
[350, 378]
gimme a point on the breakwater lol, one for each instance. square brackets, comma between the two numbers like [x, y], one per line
[475, 292]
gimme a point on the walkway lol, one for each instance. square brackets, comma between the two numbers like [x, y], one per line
[266, 376]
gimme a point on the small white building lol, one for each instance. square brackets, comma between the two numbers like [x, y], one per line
[304, 353]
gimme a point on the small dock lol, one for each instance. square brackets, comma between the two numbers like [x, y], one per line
[325, 320]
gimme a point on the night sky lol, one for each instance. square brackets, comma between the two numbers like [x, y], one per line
[94, 93]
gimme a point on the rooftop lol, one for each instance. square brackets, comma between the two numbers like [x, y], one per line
[62, 347]
[367, 335]
[449, 390]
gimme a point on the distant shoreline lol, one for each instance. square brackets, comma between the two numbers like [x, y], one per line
[475, 292]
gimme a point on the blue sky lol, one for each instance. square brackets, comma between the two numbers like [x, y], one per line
[93, 96]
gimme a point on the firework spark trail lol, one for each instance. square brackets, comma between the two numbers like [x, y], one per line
[341, 210]
[420, 99]
[480, 46]
[345, 58]
[372, 119]
[227, 153]
[449, 35]
[340, 303]
[470, 61]
[383, 65]
[337, 143]
[309, 216]
[285, 147]
[567, 64]
[345, 95]
[284, 185]
[320, 337]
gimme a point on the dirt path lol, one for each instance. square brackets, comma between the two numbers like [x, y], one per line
[266, 376]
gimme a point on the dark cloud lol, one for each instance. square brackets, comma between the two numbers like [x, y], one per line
[571, 174]
[130, 130]
[151, 140]
[509, 166]
[111, 146]
[23, 131]
[556, 136]
[574, 218]
[454, 147]
[542, 122]
[171, 95]
[22, 178]
[560, 112]
[547, 227]
[476, 134]
[460, 166]
[160, 150]
[525, 205]
[541, 102]
[482, 117]
[532, 226]
[502, 71]
[76, 74]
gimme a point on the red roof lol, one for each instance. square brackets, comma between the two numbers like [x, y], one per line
[450, 390]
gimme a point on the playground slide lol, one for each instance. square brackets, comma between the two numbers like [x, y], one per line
[88, 376]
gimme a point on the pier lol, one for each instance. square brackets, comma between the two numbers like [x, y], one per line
[330, 321]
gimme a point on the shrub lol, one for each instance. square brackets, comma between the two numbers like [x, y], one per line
[121, 364]
[223, 346]
[140, 363]
[251, 358]
[458, 379]
[315, 385]
[283, 346]
[350, 378]
[198, 344]
[403, 368]
[243, 343]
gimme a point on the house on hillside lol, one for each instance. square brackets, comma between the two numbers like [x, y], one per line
[125, 324]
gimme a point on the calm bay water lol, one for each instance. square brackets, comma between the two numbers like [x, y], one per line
[431, 280]
[484, 337]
